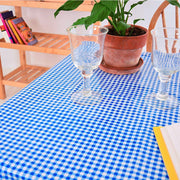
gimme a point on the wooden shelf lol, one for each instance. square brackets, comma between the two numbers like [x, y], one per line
[86, 6]
[47, 43]
[22, 76]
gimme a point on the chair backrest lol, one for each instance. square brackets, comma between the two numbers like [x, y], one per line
[160, 12]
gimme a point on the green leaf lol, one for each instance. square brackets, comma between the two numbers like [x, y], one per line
[136, 20]
[174, 2]
[122, 27]
[98, 13]
[80, 21]
[135, 4]
[69, 5]
[111, 5]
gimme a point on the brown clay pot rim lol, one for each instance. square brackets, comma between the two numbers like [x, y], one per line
[129, 37]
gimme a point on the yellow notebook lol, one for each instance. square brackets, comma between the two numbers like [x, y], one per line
[168, 141]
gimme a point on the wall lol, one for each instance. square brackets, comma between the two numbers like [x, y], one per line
[43, 20]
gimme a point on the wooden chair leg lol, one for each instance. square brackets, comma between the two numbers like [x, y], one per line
[2, 87]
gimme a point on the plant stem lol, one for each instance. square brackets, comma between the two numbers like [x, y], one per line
[111, 22]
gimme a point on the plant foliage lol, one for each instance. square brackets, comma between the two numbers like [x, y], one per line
[115, 11]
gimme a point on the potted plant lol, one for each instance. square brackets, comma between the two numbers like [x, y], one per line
[124, 42]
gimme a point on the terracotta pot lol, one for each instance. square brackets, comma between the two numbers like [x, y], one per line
[122, 53]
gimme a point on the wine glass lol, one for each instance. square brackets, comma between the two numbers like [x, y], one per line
[166, 61]
[87, 46]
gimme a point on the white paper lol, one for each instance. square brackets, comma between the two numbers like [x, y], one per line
[171, 135]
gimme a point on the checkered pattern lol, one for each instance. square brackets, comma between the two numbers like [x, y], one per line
[46, 136]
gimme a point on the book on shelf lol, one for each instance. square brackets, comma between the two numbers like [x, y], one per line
[4, 15]
[14, 31]
[11, 31]
[168, 139]
[24, 31]
[4, 33]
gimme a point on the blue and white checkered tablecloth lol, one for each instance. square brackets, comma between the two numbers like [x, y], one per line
[46, 136]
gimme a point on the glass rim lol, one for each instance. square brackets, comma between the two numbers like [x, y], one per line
[80, 34]
[153, 31]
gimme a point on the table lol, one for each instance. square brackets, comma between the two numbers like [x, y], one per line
[46, 136]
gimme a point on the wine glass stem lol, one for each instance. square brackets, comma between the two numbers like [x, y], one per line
[162, 93]
[87, 86]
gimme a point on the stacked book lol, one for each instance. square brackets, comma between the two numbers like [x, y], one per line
[15, 29]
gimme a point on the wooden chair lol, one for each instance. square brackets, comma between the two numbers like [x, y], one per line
[160, 12]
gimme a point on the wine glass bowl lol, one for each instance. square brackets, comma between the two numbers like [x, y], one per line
[87, 45]
[166, 61]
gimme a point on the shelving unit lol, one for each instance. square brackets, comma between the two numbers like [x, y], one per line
[47, 43]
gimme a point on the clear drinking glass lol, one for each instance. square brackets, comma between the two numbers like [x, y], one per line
[166, 61]
[87, 51]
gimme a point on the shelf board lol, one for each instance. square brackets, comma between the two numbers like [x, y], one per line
[46, 4]
[47, 43]
[21, 77]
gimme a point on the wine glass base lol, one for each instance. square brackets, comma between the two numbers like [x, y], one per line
[169, 103]
[86, 99]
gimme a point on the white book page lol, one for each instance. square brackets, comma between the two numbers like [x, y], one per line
[171, 135]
